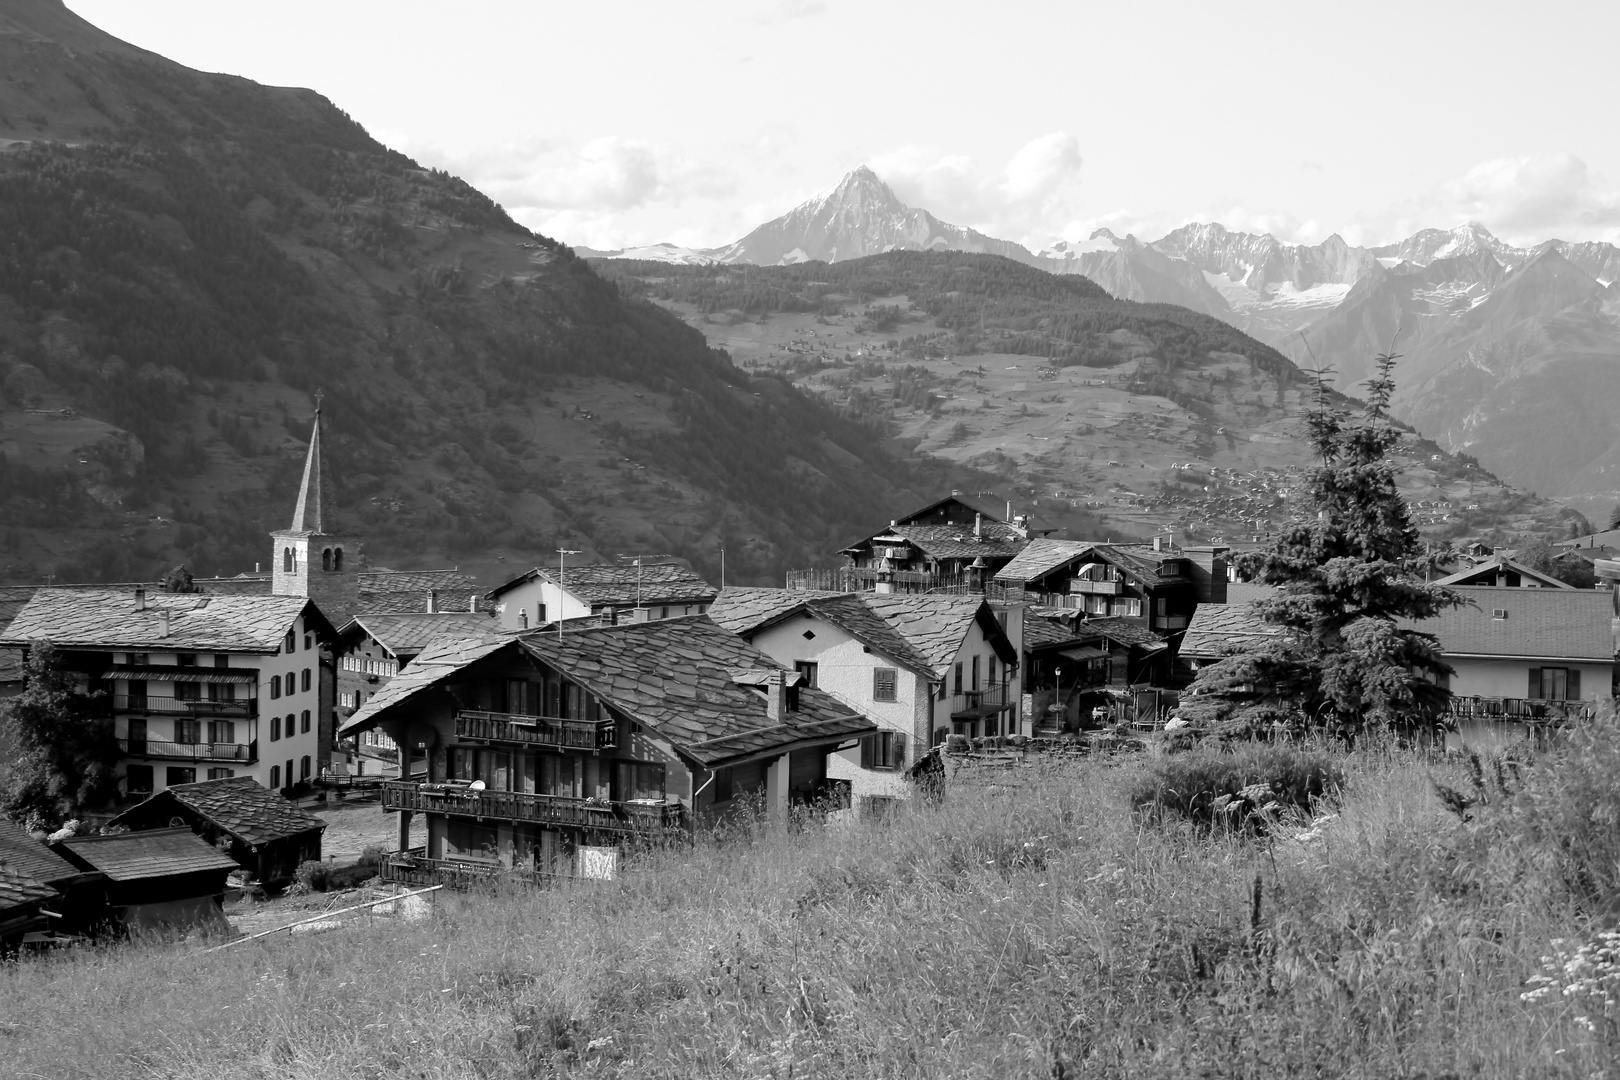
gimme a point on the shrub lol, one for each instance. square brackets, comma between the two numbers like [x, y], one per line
[1244, 789]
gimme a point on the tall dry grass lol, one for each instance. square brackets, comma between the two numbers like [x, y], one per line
[1030, 926]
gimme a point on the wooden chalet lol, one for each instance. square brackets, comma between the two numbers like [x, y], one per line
[1081, 672]
[1155, 586]
[262, 832]
[953, 543]
[545, 751]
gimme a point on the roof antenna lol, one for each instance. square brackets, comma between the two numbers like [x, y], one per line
[637, 561]
[561, 554]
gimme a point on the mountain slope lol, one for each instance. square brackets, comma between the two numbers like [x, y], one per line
[187, 258]
[1146, 416]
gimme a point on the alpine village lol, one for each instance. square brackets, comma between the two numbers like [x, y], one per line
[833, 655]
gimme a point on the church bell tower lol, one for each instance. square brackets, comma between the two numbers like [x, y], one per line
[313, 557]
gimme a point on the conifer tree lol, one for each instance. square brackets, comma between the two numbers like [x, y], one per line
[1349, 573]
[63, 750]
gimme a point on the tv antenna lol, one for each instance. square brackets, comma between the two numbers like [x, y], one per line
[638, 561]
[562, 553]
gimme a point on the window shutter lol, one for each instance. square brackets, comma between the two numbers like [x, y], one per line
[1535, 684]
[868, 751]
[897, 751]
[1574, 691]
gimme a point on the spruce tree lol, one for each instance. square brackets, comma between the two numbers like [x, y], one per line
[1349, 575]
[63, 751]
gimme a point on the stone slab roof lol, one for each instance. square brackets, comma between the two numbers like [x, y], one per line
[615, 583]
[396, 591]
[997, 540]
[1041, 557]
[1219, 630]
[407, 633]
[672, 675]
[85, 618]
[238, 805]
[1545, 624]
[741, 609]
[28, 868]
[933, 626]
[155, 853]
[439, 660]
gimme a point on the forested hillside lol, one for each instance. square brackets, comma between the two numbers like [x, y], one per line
[186, 258]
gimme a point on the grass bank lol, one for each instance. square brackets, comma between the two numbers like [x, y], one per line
[1028, 927]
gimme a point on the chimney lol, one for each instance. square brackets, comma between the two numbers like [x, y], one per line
[640, 614]
[140, 598]
[978, 525]
[255, 568]
[472, 602]
[163, 623]
[1158, 542]
[433, 601]
[776, 698]
[523, 619]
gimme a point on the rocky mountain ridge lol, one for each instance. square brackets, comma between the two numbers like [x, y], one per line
[1489, 332]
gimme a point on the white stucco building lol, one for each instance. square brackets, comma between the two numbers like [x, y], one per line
[919, 666]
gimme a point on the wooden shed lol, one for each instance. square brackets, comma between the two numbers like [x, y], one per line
[264, 833]
[165, 879]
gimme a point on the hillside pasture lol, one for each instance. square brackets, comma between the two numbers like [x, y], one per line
[1030, 926]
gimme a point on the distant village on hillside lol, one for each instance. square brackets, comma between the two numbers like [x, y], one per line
[537, 725]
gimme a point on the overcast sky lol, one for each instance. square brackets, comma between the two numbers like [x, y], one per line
[612, 123]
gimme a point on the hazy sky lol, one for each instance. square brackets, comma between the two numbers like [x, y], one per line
[611, 123]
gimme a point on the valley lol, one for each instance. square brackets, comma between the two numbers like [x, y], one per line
[1152, 435]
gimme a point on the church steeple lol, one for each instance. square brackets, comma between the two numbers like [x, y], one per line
[309, 516]
[313, 558]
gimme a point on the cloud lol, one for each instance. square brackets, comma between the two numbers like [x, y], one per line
[587, 185]
[1523, 199]
[788, 10]
[1038, 186]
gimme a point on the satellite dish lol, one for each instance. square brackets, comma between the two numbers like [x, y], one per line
[476, 785]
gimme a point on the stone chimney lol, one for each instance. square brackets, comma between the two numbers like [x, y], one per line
[472, 602]
[523, 619]
[1158, 543]
[433, 601]
[978, 525]
[163, 623]
[140, 598]
[776, 698]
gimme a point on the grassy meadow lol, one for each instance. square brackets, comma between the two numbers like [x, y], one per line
[1032, 924]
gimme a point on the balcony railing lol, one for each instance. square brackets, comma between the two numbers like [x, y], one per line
[168, 705]
[526, 807]
[535, 730]
[1522, 710]
[420, 870]
[978, 704]
[178, 751]
[1096, 588]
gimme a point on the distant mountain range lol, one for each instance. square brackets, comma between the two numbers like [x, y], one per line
[1510, 354]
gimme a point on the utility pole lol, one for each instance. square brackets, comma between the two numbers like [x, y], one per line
[561, 554]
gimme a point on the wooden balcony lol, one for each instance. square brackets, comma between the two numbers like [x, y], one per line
[522, 806]
[978, 704]
[168, 705]
[1521, 710]
[201, 751]
[546, 731]
[1087, 587]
